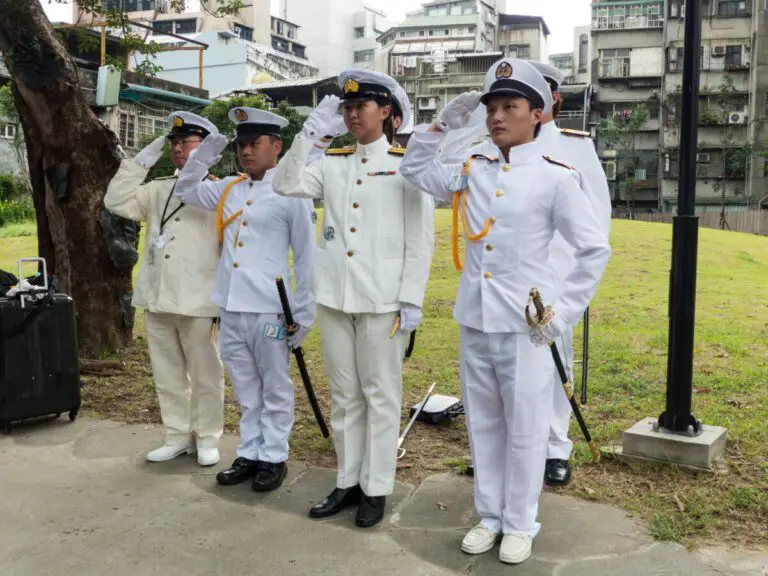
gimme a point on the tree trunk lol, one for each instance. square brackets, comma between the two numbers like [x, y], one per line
[72, 157]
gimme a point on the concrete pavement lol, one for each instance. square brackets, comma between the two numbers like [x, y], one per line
[79, 498]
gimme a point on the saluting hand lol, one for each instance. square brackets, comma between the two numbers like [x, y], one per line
[457, 112]
[323, 120]
[150, 154]
[209, 151]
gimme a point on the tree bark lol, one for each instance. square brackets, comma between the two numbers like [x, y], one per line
[72, 156]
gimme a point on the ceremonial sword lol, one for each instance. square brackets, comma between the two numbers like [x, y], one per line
[299, 354]
[401, 451]
[541, 313]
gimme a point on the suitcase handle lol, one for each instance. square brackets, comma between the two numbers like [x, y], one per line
[21, 261]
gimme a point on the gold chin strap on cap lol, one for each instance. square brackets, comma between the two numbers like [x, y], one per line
[460, 204]
[220, 223]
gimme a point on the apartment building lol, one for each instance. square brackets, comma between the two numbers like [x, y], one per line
[446, 47]
[729, 116]
[265, 46]
[523, 37]
[628, 71]
[340, 34]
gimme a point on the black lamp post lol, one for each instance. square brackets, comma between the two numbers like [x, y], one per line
[677, 416]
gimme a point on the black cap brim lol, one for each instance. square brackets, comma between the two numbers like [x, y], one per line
[515, 88]
[187, 130]
[251, 131]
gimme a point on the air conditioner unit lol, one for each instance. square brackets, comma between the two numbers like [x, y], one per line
[702, 158]
[610, 170]
[737, 118]
[640, 174]
[718, 50]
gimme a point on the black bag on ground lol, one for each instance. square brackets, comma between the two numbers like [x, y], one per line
[439, 409]
[39, 365]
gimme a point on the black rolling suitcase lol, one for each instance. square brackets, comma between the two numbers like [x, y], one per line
[39, 366]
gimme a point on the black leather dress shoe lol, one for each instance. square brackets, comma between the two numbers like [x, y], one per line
[242, 469]
[557, 472]
[339, 499]
[269, 476]
[371, 511]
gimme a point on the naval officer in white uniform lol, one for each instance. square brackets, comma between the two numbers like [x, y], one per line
[577, 149]
[174, 287]
[257, 228]
[513, 202]
[373, 262]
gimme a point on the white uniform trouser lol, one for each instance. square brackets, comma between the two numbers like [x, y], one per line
[559, 445]
[189, 378]
[258, 367]
[506, 384]
[364, 369]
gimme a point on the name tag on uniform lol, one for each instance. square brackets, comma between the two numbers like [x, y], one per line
[274, 331]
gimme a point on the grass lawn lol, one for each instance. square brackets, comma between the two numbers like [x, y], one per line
[628, 353]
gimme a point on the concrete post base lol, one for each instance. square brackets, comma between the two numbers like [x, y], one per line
[699, 452]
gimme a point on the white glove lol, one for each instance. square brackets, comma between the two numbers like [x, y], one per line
[294, 340]
[544, 334]
[339, 127]
[209, 151]
[323, 119]
[149, 156]
[457, 112]
[410, 317]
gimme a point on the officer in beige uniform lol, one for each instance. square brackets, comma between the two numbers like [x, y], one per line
[373, 262]
[174, 288]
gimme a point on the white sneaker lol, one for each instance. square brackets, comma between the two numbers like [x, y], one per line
[208, 456]
[478, 540]
[165, 453]
[515, 548]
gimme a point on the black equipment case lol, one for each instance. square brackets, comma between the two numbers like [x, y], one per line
[39, 365]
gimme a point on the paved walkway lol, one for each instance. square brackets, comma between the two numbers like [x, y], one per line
[79, 498]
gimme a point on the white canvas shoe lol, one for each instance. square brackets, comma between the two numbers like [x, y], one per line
[165, 453]
[207, 456]
[515, 548]
[478, 540]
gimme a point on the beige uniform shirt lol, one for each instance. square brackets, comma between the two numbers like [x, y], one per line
[178, 267]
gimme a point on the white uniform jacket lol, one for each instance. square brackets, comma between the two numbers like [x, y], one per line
[377, 238]
[256, 242]
[523, 202]
[177, 278]
[578, 150]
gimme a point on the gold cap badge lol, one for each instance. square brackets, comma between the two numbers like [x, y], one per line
[351, 86]
[504, 70]
[241, 115]
[178, 121]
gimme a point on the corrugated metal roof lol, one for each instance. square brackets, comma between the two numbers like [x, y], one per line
[290, 83]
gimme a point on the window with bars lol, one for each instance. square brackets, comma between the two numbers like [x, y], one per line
[615, 63]
[186, 26]
[363, 56]
[128, 130]
[522, 51]
[732, 8]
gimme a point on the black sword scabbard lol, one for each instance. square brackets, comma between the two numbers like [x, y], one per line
[298, 353]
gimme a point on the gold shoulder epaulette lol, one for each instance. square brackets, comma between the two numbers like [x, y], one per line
[558, 162]
[396, 150]
[483, 156]
[346, 151]
[577, 133]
